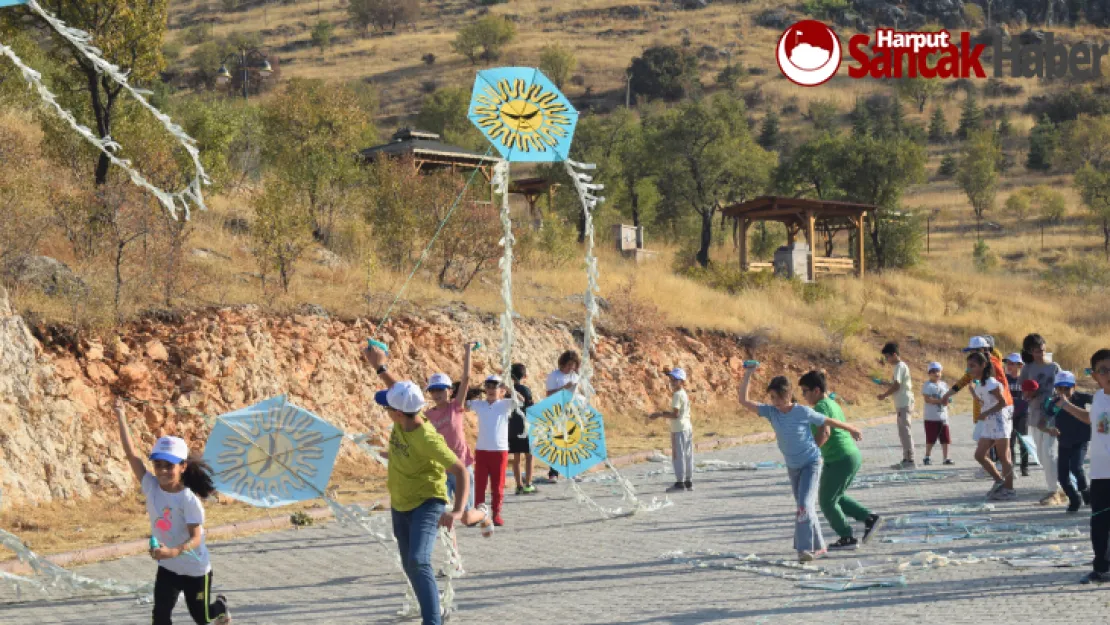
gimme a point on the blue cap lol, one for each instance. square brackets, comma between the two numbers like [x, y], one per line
[1065, 379]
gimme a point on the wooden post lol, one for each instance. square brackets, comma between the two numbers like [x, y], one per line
[744, 224]
[860, 254]
[811, 238]
[928, 233]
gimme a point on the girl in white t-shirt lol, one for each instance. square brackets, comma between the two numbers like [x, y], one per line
[997, 419]
[173, 493]
[565, 378]
[491, 455]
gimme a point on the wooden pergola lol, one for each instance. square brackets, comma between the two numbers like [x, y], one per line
[806, 216]
[533, 189]
[428, 153]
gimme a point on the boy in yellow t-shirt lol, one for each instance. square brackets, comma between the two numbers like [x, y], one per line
[682, 432]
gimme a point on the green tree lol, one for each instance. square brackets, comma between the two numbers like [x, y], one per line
[382, 14]
[1020, 203]
[971, 117]
[711, 159]
[484, 39]
[1088, 141]
[978, 175]
[730, 76]
[769, 131]
[938, 126]
[811, 170]
[445, 113]
[282, 229]
[313, 131]
[618, 145]
[129, 33]
[1044, 140]
[1093, 185]
[664, 72]
[557, 62]
[322, 34]
[227, 133]
[1049, 203]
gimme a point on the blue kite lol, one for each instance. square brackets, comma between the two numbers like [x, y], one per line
[568, 444]
[272, 454]
[523, 114]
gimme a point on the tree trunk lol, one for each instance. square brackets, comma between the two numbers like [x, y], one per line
[635, 200]
[119, 277]
[706, 237]
[1106, 237]
[582, 227]
[877, 244]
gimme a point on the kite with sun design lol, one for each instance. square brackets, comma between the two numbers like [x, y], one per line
[523, 114]
[272, 454]
[569, 443]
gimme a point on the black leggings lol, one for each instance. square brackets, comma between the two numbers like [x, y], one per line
[1100, 523]
[168, 585]
[1069, 462]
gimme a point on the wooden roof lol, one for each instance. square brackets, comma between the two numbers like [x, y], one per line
[425, 146]
[778, 208]
[526, 186]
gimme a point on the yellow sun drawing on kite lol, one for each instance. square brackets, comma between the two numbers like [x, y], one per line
[521, 116]
[563, 439]
[272, 455]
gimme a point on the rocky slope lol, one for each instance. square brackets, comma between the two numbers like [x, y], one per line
[57, 438]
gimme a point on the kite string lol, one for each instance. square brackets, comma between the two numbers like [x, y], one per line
[82, 41]
[431, 242]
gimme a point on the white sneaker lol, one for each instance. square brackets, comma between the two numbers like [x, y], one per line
[486, 524]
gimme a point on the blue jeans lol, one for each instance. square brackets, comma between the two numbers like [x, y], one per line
[415, 532]
[804, 482]
[1069, 463]
[451, 488]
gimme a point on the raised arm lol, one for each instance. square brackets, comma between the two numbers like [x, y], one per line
[377, 359]
[133, 459]
[744, 401]
[464, 381]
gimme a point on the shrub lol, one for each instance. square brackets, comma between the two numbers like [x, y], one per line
[812, 292]
[765, 238]
[322, 34]
[1044, 140]
[1065, 106]
[484, 39]
[903, 241]
[985, 259]
[553, 246]
[823, 114]
[664, 72]
[730, 77]
[938, 126]
[382, 14]
[948, 166]
[557, 62]
[728, 278]
[825, 9]
[429, 59]
[840, 328]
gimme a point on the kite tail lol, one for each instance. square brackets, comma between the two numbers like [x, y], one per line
[83, 42]
[508, 337]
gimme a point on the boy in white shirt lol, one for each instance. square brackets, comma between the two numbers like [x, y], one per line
[491, 455]
[936, 413]
[901, 389]
[682, 432]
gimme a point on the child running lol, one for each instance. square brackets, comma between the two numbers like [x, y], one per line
[1073, 434]
[936, 414]
[518, 432]
[1040, 368]
[419, 461]
[791, 423]
[446, 416]
[981, 345]
[997, 418]
[173, 495]
[1014, 365]
[682, 432]
[492, 456]
[1099, 418]
[842, 462]
[901, 389]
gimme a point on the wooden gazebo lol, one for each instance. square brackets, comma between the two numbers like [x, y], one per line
[806, 216]
[533, 189]
[429, 153]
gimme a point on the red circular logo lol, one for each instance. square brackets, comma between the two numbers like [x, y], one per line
[808, 53]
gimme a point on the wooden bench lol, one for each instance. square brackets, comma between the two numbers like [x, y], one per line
[761, 266]
[834, 265]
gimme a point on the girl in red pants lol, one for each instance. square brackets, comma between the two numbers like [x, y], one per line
[491, 457]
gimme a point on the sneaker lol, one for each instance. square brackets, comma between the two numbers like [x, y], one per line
[949, 461]
[909, 464]
[1025, 472]
[1094, 577]
[486, 524]
[1074, 506]
[995, 489]
[810, 556]
[689, 485]
[520, 490]
[497, 520]
[1086, 495]
[457, 573]
[1053, 498]
[871, 527]
[225, 618]
[1004, 494]
[927, 461]
[678, 487]
[845, 542]
[529, 489]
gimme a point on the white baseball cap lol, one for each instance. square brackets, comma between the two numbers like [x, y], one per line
[403, 396]
[977, 342]
[170, 449]
[935, 366]
[1065, 379]
[1015, 358]
[439, 382]
[493, 379]
[678, 374]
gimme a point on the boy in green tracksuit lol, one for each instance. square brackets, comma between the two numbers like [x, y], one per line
[842, 461]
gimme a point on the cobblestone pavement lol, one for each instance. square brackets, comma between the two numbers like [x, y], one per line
[557, 562]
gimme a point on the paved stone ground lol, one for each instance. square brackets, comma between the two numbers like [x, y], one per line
[556, 562]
